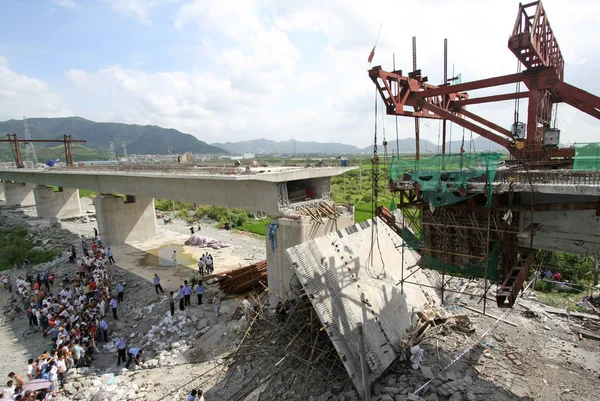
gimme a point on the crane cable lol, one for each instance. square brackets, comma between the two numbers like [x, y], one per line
[374, 201]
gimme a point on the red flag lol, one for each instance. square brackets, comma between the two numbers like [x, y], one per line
[372, 54]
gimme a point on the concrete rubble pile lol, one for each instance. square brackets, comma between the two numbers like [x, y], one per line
[206, 242]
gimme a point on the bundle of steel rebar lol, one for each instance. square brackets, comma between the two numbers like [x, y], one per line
[288, 355]
[236, 281]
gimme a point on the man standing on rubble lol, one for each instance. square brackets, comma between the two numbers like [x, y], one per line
[217, 304]
[247, 308]
[199, 291]
[187, 292]
[121, 349]
[181, 296]
[174, 259]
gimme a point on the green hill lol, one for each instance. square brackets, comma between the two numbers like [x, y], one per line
[140, 139]
[80, 153]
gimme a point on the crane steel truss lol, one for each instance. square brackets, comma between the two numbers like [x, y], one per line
[471, 233]
[534, 44]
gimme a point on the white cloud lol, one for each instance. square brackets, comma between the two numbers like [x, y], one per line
[70, 4]
[199, 103]
[21, 95]
[265, 68]
[138, 9]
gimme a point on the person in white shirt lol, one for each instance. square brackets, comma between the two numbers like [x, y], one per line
[247, 308]
[174, 259]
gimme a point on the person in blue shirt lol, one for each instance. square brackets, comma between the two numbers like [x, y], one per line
[134, 353]
[120, 292]
[157, 285]
[199, 291]
[121, 349]
[187, 292]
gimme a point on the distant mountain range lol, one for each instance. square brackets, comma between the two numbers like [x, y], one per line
[267, 146]
[151, 139]
[407, 145]
[140, 139]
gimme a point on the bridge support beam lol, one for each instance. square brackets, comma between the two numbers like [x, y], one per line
[125, 219]
[61, 204]
[18, 193]
[289, 233]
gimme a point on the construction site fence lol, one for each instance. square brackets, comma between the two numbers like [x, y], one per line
[587, 157]
[443, 179]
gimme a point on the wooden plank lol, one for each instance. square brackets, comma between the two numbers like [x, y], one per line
[586, 333]
[488, 315]
[584, 315]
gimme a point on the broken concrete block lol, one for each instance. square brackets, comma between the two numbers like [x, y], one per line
[432, 397]
[427, 372]
[456, 397]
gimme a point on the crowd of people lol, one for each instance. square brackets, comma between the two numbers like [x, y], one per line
[72, 318]
[72, 315]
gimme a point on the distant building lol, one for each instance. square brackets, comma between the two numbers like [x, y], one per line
[249, 156]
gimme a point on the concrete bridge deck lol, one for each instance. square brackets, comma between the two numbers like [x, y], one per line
[264, 189]
[538, 181]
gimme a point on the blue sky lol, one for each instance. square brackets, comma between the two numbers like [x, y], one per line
[264, 68]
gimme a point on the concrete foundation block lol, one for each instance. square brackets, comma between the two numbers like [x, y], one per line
[18, 194]
[61, 204]
[123, 220]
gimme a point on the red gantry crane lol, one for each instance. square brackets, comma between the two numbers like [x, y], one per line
[15, 146]
[534, 44]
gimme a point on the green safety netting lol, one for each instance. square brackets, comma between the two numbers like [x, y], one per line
[587, 157]
[476, 269]
[443, 179]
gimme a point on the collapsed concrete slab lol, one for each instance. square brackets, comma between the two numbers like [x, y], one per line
[362, 260]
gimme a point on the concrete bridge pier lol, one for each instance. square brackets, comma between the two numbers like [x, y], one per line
[18, 193]
[127, 219]
[61, 204]
[288, 233]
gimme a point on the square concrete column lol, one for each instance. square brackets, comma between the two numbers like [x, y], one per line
[2, 192]
[61, 204]
[18, 193]
[291, 232]
[125, 219]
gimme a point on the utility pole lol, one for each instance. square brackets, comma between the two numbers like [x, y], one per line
[360, 172]
[111, 151]
[125, 155]
[29, 149]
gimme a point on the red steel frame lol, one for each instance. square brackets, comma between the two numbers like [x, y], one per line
[534, 44]
[14, 144]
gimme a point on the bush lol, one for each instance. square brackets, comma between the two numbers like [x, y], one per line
[16, 247]
[236, 217]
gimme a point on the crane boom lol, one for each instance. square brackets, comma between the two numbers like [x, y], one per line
[534, 44]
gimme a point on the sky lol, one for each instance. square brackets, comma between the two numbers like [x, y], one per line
[248, 69]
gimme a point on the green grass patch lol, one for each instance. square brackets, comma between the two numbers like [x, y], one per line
[86, 193]
[561, 300]
[365, 211]
[16, 247]
[255, 226]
